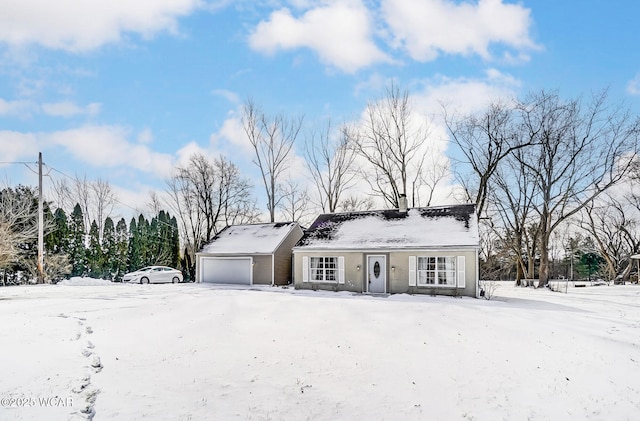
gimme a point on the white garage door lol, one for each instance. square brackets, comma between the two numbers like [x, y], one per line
[226, 270]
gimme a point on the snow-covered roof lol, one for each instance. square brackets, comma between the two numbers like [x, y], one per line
[433, 227]
[249, 239]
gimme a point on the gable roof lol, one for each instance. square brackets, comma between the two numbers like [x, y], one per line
[250, 239]
[432, 227]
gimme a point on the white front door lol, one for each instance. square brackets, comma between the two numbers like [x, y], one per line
[377, 274]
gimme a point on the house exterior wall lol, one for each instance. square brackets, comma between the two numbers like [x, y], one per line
[262, 269]
[399, 277]
[397, 271]
[282, 257]
[353, 278]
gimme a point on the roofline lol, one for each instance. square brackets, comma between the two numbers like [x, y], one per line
[396, 209]
[200, 253]
[292, 225]
[384, 249]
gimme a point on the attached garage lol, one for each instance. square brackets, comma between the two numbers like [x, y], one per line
[253, 254]
[226, 270]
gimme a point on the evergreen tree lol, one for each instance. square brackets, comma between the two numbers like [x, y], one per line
[144, 242]
[77, 251]
[121, 249]
[57, 241]
[95, 260]
[175, 242]
[134, 258]
[109, 250]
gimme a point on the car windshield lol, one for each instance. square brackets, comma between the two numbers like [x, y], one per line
[145, 269]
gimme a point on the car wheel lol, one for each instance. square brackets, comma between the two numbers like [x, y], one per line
[144, 280]
[175, 280]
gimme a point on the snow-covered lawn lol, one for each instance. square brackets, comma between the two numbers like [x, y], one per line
[198, 352]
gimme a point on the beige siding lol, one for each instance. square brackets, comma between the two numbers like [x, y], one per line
[399, 278]
[397, 272]
[353, 278]
[282, 258]
[262, 270]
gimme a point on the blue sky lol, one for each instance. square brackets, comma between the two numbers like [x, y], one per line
[126, 91]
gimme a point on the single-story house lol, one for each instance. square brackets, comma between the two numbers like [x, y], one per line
[250, 254]
[431, 250]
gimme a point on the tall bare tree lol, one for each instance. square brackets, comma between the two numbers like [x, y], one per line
[96, 198]
[18, 224]
[579, 151]
[354, 203]
[103, 201]
[208, 195]
[272, 139]
[295, 204]
[391, 140]
[330, 163]
[484, 140]
[511, 204]
[614, 225]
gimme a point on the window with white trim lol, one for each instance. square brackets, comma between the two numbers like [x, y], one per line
[323, 269]
[440, 271]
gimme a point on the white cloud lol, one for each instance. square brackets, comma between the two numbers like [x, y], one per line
[465, 95]
[70, 109]
[428, 28]
[15, 146]
[340, 32]
[145, 136]
[187, 151]
[232, 133]
[108, 147]
[84, 25]
[633, 87]
[226, 94]
[21, 108]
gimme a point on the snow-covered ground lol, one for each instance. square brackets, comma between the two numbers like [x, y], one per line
[198, 352]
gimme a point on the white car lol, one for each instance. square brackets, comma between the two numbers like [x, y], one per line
[154, 275]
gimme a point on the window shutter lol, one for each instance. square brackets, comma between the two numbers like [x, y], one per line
[461, 272]
[341, 269]
[305, 268]
[412, 271]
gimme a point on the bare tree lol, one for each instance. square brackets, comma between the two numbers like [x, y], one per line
[103, 201]
[207, 196]
[484, 140]
[61, 191]
[82, 193]
[391, 141]
[578, 153]
[96, 198]
[613, 224]
[18, 224]
[511, 203]
[330, 164]
[424, 184]
[356, 203]
[272, 139]
[295, 204]
[155, 204]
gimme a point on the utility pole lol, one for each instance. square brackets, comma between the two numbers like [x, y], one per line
[40, 223]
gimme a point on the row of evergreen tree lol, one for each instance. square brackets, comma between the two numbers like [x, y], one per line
[116, 250]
